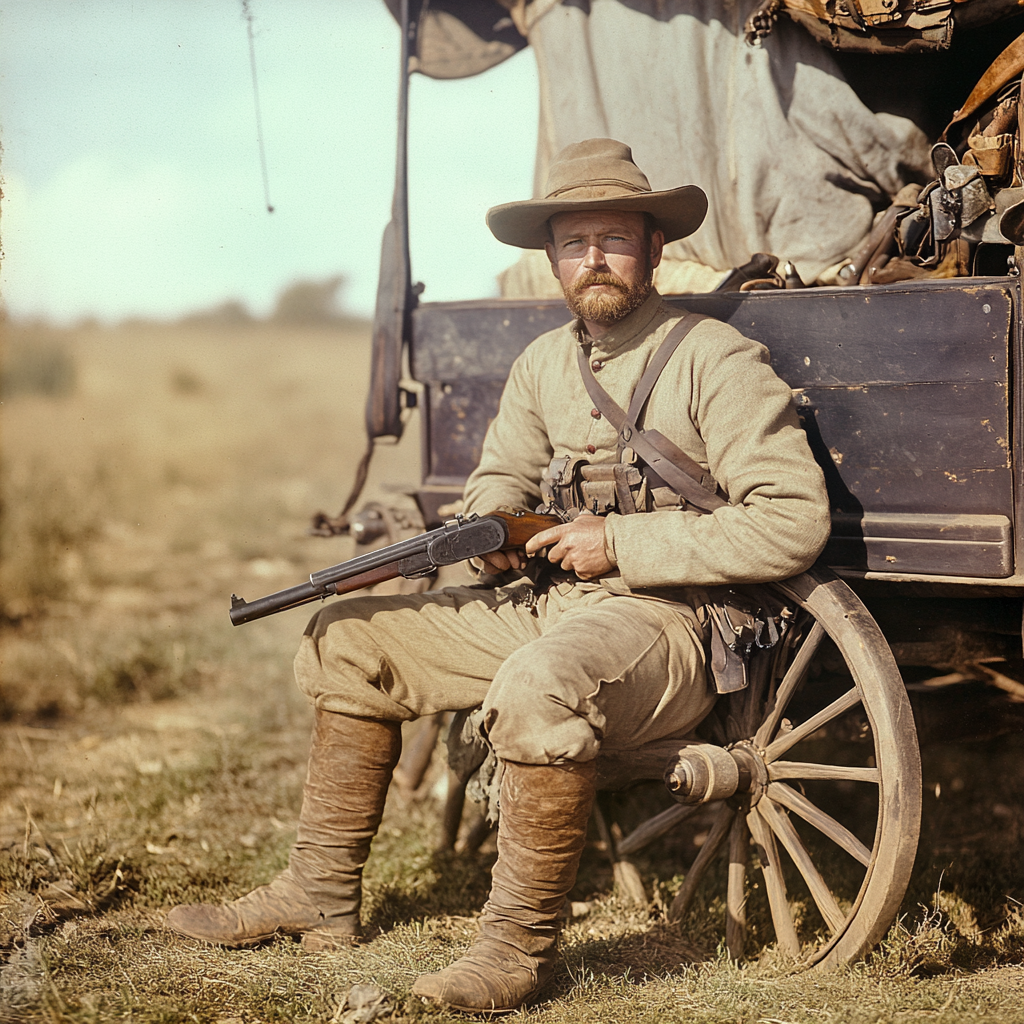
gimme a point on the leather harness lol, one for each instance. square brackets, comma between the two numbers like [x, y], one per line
[683, 474]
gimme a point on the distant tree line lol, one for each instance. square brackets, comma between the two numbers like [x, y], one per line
[304, 303]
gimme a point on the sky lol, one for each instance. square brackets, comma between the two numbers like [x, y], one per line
[131, 174]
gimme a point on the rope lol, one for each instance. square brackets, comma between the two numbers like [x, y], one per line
[247, 14]
[323, 525]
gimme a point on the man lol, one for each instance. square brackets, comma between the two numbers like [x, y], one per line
[608, 655]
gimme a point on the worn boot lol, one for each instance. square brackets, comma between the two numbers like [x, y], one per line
[319, 893]
[541, 833]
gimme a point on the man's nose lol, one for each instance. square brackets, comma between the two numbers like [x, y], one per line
[594, 258]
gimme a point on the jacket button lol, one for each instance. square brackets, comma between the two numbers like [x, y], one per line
[591, 449]
[596, 364]
[595, 413]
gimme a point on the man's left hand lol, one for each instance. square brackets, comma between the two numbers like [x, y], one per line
[577, 546]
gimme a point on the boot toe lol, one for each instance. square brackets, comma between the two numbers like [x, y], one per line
[216, 925]
[491, 978]
[429, 986]
[462, 992]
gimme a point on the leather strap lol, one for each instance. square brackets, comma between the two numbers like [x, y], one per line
[643, 391]
[659, 362]
[677, 469]
[1005, 67]
[607, 405]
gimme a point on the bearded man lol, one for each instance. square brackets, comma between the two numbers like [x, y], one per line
[607, 653]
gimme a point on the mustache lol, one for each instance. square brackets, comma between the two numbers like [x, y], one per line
[592, 277]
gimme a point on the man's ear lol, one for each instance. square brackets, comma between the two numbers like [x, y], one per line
[657, 246]
[550, 250]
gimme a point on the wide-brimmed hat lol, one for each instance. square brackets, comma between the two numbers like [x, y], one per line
[598, 174]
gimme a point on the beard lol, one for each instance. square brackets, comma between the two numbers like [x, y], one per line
[604, 308]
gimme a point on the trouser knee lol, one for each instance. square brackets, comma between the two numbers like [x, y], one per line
[533, 715]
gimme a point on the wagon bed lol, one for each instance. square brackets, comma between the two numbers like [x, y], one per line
[904, 391]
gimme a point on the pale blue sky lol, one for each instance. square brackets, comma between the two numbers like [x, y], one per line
[131, 174]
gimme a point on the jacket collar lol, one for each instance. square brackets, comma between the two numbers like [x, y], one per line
[625, 331]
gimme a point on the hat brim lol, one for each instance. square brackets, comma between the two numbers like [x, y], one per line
[677, 212]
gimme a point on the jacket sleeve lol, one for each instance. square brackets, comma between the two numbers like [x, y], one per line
[516, 450]
[777, 521]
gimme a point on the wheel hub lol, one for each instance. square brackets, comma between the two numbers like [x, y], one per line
[704, 772]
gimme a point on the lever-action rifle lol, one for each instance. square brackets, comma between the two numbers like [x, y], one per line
[455, 541]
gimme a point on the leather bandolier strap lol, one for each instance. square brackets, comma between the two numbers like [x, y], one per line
[683, 474]
[1001, 71]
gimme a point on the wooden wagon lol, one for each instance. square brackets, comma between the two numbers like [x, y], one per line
[910, 395]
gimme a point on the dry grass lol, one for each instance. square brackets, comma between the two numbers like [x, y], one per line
[154, 754]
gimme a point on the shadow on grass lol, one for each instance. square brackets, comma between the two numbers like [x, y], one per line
[446, 884]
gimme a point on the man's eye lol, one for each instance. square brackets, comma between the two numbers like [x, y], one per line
[572, 242]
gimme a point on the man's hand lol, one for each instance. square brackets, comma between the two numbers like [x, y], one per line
[577, 546]
[497, 562]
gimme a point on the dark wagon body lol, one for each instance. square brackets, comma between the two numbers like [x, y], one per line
[910, 397]
[905, 391]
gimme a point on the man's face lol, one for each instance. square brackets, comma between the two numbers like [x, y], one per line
[605, 262]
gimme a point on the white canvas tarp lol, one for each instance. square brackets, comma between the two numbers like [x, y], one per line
[792, 161]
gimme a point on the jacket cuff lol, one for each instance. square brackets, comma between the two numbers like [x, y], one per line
[609, 537]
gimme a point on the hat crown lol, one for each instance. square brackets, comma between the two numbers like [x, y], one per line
[595, 169]
[598, 174]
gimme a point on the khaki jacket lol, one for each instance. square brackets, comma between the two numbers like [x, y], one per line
[718, 399]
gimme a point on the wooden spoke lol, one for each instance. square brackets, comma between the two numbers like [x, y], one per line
[760, 673]
[655, 827]
[476, 836]
[803, 770]
[791, 681]
[825, 823]
[736, 896]
[418, 752]
[625, 874]
[775, 884]
[720, 829]
[779, 823]
[451, 819]
[779, 746]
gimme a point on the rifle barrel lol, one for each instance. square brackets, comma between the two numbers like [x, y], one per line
[448, 544]
[246, 611]
[373, 560]
[321, 583]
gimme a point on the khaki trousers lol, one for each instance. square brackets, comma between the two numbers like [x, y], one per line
[583, 667]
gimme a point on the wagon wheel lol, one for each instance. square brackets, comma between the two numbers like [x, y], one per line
[787, 790]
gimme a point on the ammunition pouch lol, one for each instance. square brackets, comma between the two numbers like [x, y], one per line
[576, 485]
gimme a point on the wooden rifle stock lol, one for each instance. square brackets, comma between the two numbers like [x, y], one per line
[523, 525]
[453, 542]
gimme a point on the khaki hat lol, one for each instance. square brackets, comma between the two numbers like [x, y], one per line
[598, 174]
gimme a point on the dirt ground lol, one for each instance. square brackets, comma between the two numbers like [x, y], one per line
[154, 754]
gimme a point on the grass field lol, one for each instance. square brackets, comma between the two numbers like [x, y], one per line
[152, 754]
